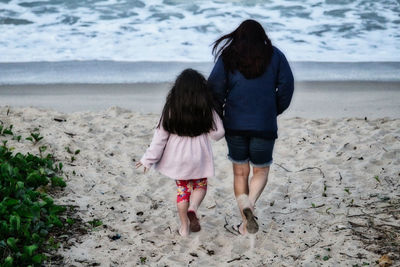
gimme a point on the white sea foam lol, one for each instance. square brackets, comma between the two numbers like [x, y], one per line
[173, 30]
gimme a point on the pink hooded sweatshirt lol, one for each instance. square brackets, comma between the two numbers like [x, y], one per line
[183, 157]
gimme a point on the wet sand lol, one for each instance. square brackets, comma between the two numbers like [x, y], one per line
[311, 99]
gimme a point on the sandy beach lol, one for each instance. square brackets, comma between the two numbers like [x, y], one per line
[334, 181]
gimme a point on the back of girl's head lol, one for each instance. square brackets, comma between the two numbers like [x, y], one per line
[188, 110]
[247, 49]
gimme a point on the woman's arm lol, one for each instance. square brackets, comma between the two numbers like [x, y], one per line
[217, 82]
[285, 84]
[219, 132]
[155, 151]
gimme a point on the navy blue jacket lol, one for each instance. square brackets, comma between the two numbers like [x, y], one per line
[251, 106]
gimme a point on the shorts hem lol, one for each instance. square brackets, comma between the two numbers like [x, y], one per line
[238, 161]
[267, 164]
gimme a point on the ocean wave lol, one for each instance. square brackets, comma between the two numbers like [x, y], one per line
[165, 30]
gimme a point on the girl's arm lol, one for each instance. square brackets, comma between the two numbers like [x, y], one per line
[219, 130]
[155, 151]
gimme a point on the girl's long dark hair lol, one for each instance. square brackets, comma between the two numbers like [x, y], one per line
[188, 110]
[247, 49]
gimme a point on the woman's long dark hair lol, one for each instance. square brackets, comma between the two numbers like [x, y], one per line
[188, 110]
[247, 49]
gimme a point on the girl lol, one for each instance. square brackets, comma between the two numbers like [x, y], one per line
[253, 83]
[180, 148]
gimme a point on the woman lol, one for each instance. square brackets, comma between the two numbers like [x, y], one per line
[253, 84]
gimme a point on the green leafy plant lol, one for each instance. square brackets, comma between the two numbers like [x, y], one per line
[76, 152]
[6, 131]
[17, 137]
[34, 138]
[95, 223]
[327, 257]
[27, 215]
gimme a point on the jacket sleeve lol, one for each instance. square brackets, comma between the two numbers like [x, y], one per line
[217, 83]
[285, 85]
[155, 151]
[219, 131]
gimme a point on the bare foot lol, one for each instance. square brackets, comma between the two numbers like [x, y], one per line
[242, 229]
[252, 225]
[184, 230]
[194, 221]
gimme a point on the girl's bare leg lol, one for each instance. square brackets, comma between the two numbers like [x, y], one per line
[182, 211]
[196, 198]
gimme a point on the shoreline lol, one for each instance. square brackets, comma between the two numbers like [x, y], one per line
[121, 72]
[312, 99]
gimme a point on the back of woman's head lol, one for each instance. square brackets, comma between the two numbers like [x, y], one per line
[247, 49]
[188, 110]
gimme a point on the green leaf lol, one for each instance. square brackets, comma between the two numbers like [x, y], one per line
[6, 169]
[20, 185]
[18, 138]
[95, 223]
[8, 202]
[8, 262]
[36, 136]
[327, 257]
[38, 258]
[12, 243]
[35, 237]
[58, 181]
[15, 222]
[43, 232]
[30, 249]
[3, 244]
[77, 151]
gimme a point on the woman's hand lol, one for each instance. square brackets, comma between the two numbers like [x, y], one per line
[139, 164]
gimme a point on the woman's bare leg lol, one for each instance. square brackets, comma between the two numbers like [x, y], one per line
[257, 183]
[241, 188]
[241, 179]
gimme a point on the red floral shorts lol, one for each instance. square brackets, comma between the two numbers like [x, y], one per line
[186, 187]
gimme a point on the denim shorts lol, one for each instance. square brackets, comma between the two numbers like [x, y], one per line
[243, 149]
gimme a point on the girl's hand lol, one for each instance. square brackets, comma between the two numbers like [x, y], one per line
[139, 164]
